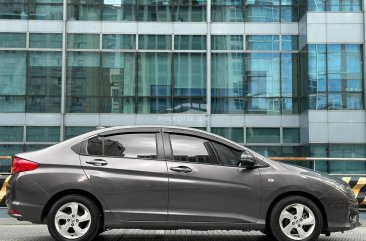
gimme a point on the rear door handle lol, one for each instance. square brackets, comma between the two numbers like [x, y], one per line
[181, 169]
[98, 162]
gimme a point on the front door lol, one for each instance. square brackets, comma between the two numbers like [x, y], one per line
[130, 174]
[206, 185]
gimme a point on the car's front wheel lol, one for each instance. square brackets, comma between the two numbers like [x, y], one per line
[296, 218]
[74, 217]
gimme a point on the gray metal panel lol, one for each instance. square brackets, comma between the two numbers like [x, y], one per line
[41, 26]
[43, 119]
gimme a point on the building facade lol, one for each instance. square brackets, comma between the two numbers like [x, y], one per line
[283, 77]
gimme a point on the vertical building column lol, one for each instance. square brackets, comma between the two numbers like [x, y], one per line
[63, 74]
[208, 67]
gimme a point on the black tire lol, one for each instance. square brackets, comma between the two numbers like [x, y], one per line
[86, 202]
[274, 221]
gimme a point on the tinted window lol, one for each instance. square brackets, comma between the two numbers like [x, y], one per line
[226, 155]
[142, 146]
[192, 149]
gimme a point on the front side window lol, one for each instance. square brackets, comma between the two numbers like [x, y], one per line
[226, 155]
[192, 149]
[139, 146]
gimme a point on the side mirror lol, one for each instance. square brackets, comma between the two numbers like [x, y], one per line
[247, 160]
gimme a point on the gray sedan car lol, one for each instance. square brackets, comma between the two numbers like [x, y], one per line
[156, 177]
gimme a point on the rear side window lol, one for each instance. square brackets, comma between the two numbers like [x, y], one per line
[139, 146]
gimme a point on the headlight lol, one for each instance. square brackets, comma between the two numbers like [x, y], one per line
[343, 187]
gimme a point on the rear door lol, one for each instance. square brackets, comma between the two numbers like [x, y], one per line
[205, 183]
[129, 172]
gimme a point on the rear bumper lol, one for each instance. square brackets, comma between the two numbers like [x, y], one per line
[25, 199]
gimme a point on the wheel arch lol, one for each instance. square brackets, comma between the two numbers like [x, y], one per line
[64, 193]
[303, 194]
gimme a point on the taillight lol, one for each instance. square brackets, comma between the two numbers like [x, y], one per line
[21, 165]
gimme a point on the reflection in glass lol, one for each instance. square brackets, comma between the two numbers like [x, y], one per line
[227, 11]
[83, 41]
[37, 10]
[155, 74]
[158, 42]
[11, 133]
[263, 42]
[291, 135]
[12, 81]
[189, 42]
[119, 41]
[227, 74]
[83, 10]
[235, 134]
[119, 10]
[44, 83]
[13, 40]
[190, 74]
[262, 72]
[72, 131]
[263, 135]
[82, 81]
[43, 134]
[262, 11]
[45, 40]
[227, 42]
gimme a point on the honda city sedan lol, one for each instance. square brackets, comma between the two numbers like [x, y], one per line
[157, 177]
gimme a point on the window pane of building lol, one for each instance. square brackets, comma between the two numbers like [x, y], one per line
[263, 135]
[119, 41]
[228, 105]
[291, 135]
[262, 11]
[12, 81]
[83, 41]
[13, 40]
[189, 42]
[234, 134]
[316, 5]
[161, 11]
[227, 11]
[44, 83]
[43, 134]
[158, 42]
[119, 10]
[155, 74]
[227, 42]
[289, 42]
[82, 82]
[45, 40]
[263, 42]
[11, 133]
[83, 10]
[72, 131]
[8, 150]
[190, 11]
[268, 151]
[289, 75]
[118, 80]
[37, 10]
[190, 74]
[227, 74]
[262, 75]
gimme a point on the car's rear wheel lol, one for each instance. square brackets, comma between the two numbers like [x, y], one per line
[73, 217]
[296, 218]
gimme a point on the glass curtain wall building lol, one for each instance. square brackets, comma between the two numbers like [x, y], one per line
[283, 77]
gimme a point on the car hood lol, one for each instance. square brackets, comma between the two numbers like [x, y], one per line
[312, 173]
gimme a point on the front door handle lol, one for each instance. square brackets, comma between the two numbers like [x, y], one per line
[181, 169]
[98, 162]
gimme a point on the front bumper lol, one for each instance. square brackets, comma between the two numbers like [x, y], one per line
[342, 212]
